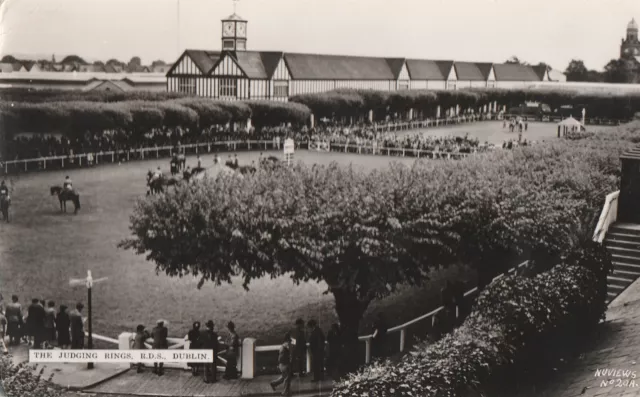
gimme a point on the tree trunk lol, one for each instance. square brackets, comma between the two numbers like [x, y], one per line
[350, 310]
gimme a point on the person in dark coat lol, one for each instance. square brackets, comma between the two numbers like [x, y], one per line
[334, 342]
[62, 327]
[35, 322]
[160, 334]
[13, 313]
[139, 343]
[300, 349]
[233, 351]
[379, 340]
[284, 365]
[194, 343]
[316, 348]
[77, 327]
[209, 341]
[50, 323]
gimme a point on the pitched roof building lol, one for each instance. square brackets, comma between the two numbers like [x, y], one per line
[234, 73]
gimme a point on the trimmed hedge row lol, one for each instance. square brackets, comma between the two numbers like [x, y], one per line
[353, 103]
[141, 116]
[15, 94]
[508, 319]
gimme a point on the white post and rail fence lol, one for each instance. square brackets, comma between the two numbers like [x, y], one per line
[157, 152]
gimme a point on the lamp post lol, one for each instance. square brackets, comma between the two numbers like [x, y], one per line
[88, 282]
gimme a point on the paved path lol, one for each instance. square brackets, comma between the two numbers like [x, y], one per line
[182, 383]
[71, 376]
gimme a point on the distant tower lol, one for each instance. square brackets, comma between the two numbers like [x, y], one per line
[630, 46]
[234, 32]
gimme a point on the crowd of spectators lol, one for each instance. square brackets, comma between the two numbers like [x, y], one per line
[40, 146]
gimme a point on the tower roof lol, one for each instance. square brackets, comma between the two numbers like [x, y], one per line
[633, 25]
[234, 17]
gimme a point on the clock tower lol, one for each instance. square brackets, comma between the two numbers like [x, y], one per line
[234, 33]
[630, 46]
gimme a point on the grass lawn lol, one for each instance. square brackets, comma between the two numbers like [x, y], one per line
[42, 249]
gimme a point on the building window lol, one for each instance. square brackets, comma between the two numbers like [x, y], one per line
[228, 88]
[452, 85]
[281, 89]
[491, 84]
[241, 46]
[187, 85]
[403, 85]
[227, 44]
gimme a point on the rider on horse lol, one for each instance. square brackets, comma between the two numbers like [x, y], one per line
[156, 175]
[67, 184]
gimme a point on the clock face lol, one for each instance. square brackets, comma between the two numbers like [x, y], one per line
[228, 29]
[242, 30]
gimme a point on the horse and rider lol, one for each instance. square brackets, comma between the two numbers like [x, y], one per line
[5, 201]
[66, 193]
[157, 181]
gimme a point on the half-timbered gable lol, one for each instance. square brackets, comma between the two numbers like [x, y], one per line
[189, 74]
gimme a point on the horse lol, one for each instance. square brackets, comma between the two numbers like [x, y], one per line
[65, 195]
[5, 202]
[157, 185]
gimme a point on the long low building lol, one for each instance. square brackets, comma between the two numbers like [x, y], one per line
[237, 74]
[85, 81]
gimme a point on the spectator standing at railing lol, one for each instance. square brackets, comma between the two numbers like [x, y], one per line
[139, 340]
[379, 339]
[233, 352]
[300, 350]
[316, 348]
[193, 336]
[209, 341]
[35, 322]
[334, 348]
[62, 326]
[50, 324]
[14, 320]
[159, 335]
[284, 365]
[77, 327]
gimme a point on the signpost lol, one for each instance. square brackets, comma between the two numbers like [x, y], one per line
[88, 282]
[289, 149]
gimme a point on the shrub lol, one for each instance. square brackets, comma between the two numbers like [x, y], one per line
[508, 318]
[268, 113]
[21, 381]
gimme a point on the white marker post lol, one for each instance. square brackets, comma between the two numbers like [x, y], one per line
[289, 149]
[88, 282]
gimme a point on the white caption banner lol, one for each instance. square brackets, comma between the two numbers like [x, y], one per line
[121, 356]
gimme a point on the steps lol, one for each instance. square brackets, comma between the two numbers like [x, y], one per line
[623, 242]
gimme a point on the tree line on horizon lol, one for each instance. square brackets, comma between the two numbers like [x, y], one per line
[77, 60]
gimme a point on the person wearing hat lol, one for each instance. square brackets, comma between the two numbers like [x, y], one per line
[209, 341]
[159, 335]
[194, 343]
[233, 352]
[284, 365]
[300, 349]
[63, 323]
[138, 342]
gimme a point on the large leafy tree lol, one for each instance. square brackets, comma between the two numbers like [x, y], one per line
[361, 234]
[365, 234]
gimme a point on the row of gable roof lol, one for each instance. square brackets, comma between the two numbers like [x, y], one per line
[30, 66]
[263, 64]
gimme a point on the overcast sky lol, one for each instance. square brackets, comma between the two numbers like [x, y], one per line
[553, 31]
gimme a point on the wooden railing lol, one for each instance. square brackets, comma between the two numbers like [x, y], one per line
[608, 216]
[114, 156]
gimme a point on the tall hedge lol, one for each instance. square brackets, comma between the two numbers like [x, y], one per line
[21, 381]
[509, 319]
